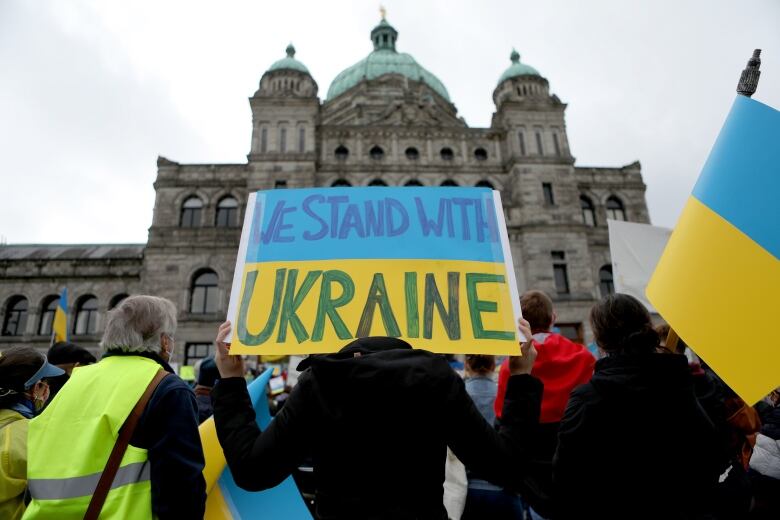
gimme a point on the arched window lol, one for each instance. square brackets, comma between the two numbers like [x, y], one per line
[449, 182]
[484, 183]
[283, 137]
[86, 315]
[15, 321]
[447, 154]
[48, 308]
[413, 182]
[480, 154]
[341, 182]
[203, 294]
[227, 212]
[377, 182]
[377, 153]
[606, 283]
[190, 212]
[341, 153]
[116, 300]
[615, 210]
[412, 153]
[588, 211]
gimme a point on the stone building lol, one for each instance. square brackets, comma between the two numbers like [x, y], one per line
[385, 120]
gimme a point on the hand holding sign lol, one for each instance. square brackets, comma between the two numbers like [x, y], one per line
[523, 363]
[227, 364]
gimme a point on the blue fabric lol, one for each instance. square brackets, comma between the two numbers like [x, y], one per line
[482, 390]
[741, 179]
[25, 407]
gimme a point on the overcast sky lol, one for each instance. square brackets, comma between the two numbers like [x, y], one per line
[91, 92]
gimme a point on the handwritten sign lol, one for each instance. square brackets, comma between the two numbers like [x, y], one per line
[317, 268]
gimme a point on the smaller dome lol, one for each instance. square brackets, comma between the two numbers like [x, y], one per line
[517, 68]
[289, 62]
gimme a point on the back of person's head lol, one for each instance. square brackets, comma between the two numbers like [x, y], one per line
[621, 324]
[137, 324]
[537, 308]
[480, 364]
[66, 353]
[17, 366]
[208, 373]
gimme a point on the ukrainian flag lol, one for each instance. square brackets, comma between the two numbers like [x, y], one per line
[59, 327]
[227, 501]
[718, 280]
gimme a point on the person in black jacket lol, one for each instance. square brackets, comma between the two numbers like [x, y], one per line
[377, 418]
[634, 442]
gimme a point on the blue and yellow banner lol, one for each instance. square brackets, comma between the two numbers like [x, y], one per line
[319, 267]
[718, 281]
[59, 326]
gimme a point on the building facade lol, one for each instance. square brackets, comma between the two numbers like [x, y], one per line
[385, 121]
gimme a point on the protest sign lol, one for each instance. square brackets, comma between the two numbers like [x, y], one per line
[317, 268]
[635, 250]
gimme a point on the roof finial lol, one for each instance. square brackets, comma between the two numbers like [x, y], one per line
[515, 56]
[290, 50]
[382, 11]
[748, 81]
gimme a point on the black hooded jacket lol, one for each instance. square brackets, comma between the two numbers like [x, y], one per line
[377, 426]
[635, 443]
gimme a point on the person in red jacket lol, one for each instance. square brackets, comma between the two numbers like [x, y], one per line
[561, 365]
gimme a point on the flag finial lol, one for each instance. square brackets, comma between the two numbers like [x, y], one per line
[748, 81]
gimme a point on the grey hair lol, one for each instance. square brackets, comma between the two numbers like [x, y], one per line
[137, 323]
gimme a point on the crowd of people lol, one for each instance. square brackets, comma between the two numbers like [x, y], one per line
[640, 430]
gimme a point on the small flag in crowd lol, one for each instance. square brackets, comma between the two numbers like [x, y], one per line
[59, 327]
[718, 281]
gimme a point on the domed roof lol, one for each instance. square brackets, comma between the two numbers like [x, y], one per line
[289, 62]
[384, 60]
[517, 68]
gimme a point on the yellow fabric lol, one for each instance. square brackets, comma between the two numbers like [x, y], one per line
[212, 453]
[216, 506]
[13, 464]
[60, 325]
[85, 417]
[719, 290]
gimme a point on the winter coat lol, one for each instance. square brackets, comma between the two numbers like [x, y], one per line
[766, 453]
[625, 444]
[377, 426]
[561, 365]
[13, 463]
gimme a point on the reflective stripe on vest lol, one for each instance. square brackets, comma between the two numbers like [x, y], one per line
[60, 488]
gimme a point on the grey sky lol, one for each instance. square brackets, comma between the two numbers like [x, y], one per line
[91, 92]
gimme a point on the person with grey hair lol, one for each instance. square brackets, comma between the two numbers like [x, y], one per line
[131, 393]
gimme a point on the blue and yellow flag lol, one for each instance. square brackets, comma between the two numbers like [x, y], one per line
[226, 501]
[59, 325]
[718, 281]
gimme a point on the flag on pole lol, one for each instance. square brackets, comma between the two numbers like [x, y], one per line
[718, 281]
[59, 326]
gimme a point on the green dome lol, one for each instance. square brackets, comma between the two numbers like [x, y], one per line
[384, 60]
[289, 62]
[517, 69]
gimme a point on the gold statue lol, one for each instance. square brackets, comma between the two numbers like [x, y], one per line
[383, 11]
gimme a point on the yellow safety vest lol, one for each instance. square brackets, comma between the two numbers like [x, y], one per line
[69, 443]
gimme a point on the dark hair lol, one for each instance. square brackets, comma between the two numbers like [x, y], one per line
[17, 366]
[480, 363]
[621, 324]
[537, 308]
